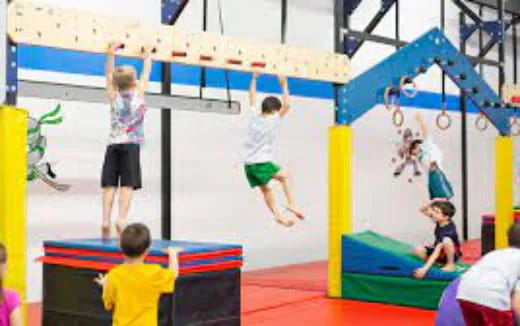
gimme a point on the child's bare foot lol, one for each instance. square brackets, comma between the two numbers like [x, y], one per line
[105, 231]
[284, 221]
[449, 268]
[296, 212]
[420, 273]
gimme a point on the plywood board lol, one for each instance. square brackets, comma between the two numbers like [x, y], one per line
[45, 25]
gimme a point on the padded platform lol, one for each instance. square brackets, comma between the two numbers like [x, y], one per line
[374, 254]
[102, 255]
[402, 291]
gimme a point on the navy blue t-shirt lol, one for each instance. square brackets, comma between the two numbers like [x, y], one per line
[447, 231]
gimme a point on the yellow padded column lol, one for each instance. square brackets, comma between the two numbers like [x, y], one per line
[13, 174]
[504, 189]
[340, 201]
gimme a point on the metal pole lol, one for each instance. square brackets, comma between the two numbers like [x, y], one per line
[397, 30]
[501, 47]
[166, 155]
[341, 20]
[515, 56]
[480, 39]
[464, 145]
[284, 21]
[443, 28]
[204, 28]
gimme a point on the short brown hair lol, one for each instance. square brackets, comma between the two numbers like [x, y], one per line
[271, 104]
[135, 240]
[447, 208]
[513, 235]
[124, 77]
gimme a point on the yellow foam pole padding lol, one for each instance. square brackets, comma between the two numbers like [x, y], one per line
[45, 25]
[13, 176]
[504, 190]
[340, 201]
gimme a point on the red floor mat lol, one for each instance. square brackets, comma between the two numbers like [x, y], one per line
[259, 298]
[327, 312]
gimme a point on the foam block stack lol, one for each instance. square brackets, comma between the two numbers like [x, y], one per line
[488, 230]
[207, 291]
[379, 269]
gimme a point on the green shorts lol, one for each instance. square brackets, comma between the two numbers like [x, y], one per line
[260, 174]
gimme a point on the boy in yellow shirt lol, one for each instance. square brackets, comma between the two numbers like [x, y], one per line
[132, 290]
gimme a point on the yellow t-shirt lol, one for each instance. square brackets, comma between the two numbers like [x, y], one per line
[132, 292]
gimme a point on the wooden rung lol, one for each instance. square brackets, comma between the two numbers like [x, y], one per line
[44, 25]
[511, 93]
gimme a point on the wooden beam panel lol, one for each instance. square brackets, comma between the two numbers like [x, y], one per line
[44, 25]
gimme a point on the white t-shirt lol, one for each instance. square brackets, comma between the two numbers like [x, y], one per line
[430, 152]
[261, 136]
[492, 280]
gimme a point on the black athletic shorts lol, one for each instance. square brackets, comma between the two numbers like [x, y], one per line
[122, 166]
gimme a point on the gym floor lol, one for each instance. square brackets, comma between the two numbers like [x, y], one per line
[295, 295]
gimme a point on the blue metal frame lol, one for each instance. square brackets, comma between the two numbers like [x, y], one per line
[366, 91]
[171, 10]
[351, 45]
[492, 28]
[11, 73]
[11, 68]
[351, 5]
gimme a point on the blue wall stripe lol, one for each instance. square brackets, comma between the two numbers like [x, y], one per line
[50, 59]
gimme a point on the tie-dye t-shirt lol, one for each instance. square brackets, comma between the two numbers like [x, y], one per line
[10, 303]
[127, 117]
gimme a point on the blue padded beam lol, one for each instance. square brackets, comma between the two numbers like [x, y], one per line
[367, 90]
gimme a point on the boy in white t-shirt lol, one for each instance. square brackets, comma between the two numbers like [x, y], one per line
[262, 132]
[489, 292]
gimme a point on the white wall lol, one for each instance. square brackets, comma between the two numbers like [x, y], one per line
[212, 200]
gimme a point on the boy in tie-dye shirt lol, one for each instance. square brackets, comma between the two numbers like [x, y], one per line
[121, 167]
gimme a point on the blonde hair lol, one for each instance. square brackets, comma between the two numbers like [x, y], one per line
[124, 77]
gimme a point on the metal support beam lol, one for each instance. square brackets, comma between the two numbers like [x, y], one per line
[464, 145]
[352, 45]
[392, 42]
[3, 50]
[89, 94]
[501, 46]
[283, 38]
[467, 10]
[515, 56]
[172, 10]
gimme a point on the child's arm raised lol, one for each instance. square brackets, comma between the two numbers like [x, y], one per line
[110, 67]
[422, 124]
[147, 69]
[425, 210]
[286, 105]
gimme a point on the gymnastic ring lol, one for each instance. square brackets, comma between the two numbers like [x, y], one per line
[398, 117]
[408, 80]
[481, 123]
[515, 126]
[387, 98]
[447, 120]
